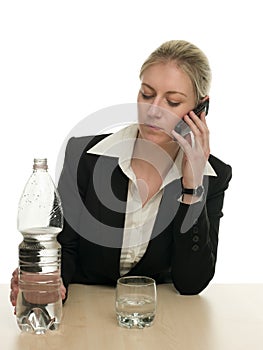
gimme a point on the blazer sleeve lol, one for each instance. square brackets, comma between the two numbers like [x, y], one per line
[195, 240]
[68, 237]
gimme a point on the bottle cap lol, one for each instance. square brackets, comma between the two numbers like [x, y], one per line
[40, 163]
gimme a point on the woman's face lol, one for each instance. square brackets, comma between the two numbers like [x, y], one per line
[165, 96]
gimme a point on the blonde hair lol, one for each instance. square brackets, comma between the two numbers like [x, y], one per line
[189, 58]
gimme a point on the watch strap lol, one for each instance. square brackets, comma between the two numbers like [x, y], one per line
[197, 192]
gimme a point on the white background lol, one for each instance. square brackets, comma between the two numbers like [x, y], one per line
[62, 60]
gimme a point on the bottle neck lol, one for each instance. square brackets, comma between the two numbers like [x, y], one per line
[40, 171]
[40, 164]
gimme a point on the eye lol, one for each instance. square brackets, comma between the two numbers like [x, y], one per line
[145, 96]
[173, 104]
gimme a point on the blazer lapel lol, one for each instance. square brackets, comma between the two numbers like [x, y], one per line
[113, 196]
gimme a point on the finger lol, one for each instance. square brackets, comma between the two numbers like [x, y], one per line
[14, 287]
[14, 283]
[13, 298]
[188, 138]
[63, 290]
[182, 141]
[203, 141]
[15, 273]
[203, 118]
[200, 131]
[14, 279]
[197, 124]
[194, 123]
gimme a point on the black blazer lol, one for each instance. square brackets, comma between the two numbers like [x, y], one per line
[183, 245]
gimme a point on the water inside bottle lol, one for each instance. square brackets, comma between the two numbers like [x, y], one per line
[39, 304]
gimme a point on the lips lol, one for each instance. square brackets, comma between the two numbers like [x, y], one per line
[155, 127]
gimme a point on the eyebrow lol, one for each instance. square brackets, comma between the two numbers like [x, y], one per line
[168, 92]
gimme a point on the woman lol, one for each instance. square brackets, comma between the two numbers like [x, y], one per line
[151, 199]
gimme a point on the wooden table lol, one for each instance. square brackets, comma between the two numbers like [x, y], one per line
[222, 317]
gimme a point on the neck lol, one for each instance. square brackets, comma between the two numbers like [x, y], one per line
[149, 155]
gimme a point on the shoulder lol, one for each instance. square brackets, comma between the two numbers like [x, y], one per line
[80, 145]
[221, 168]
[76, 150]
[223, 171]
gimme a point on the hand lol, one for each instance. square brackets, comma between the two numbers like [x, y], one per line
[14, 289]
[196, 155]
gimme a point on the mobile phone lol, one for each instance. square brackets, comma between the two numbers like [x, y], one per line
[182, 128]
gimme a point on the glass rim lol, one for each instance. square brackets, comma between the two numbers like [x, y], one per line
[148, 281]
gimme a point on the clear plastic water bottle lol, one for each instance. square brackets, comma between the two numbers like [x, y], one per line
[40, 219]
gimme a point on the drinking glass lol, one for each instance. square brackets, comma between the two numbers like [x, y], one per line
[135, 302]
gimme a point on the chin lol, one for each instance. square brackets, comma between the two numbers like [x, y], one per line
[160, 138]
[154, 135]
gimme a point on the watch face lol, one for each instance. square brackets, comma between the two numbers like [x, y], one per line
[199, 191]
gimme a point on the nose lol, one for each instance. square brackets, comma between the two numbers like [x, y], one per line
[154, 110]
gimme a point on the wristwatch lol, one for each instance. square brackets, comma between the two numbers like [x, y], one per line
[197, 192]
